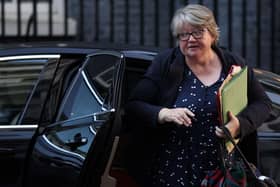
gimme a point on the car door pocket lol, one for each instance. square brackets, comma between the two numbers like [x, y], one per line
[106, 179]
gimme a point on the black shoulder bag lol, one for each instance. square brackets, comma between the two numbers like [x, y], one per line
[240, 173]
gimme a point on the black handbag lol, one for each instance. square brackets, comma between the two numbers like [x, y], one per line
[235, 170]
[254, 176]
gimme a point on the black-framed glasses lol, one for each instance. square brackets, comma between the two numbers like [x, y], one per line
[197, 34]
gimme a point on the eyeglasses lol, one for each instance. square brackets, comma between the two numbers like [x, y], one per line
[197, 34]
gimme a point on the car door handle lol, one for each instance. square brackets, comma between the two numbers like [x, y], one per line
[103, 116]
[77, 141]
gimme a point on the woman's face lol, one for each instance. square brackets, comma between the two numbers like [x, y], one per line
[195, 41]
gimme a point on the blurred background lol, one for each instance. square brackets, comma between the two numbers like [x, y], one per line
[249, 28]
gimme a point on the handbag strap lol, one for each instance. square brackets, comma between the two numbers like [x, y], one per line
[246, 162]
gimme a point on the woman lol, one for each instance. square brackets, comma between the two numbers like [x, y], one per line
[178, 94]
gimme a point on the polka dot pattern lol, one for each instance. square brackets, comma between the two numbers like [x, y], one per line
[189, 152]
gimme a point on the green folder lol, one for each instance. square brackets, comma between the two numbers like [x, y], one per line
[234, 95]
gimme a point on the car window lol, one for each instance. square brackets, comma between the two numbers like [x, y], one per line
[91, 88]
[18, 75]
[100, 72]
[43, 102]
[80, 102]
[75, 128]
[73, 140]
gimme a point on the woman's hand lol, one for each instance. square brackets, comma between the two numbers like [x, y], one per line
[233, 126]
[180, 116]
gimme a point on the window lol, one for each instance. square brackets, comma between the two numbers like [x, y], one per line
[91, 88]
[17, 78]
[100, 72]
[80, 101]
[75, 129]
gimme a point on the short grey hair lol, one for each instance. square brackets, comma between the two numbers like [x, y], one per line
[196, 15]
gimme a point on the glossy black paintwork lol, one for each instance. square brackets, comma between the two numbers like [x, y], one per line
[33, 157]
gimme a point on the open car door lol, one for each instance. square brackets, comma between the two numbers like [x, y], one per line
[75, 121]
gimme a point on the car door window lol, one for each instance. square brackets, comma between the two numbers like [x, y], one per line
[91, 88]
[18, 75]
[81, 101]
[86, 96]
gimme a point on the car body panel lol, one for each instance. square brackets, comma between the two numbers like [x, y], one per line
[269, 132]
[19, 74]
[71, 140]
[41, 108]
[14, 141]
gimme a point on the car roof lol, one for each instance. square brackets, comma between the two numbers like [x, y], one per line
[268, 78]
[69, 47]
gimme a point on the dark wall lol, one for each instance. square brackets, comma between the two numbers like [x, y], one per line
[249, 28]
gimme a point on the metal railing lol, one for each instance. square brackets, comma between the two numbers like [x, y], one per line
[24, 17]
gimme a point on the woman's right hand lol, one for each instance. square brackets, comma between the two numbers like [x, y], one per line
[233, 126]
[180, 116]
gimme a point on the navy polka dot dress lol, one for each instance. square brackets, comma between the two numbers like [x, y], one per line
[190, 152]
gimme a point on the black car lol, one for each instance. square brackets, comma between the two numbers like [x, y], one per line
[61, 110]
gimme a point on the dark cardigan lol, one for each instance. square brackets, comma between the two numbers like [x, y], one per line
[159, 86]
[158, 89]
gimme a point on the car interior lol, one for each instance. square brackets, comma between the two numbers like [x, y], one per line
[120, 174]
